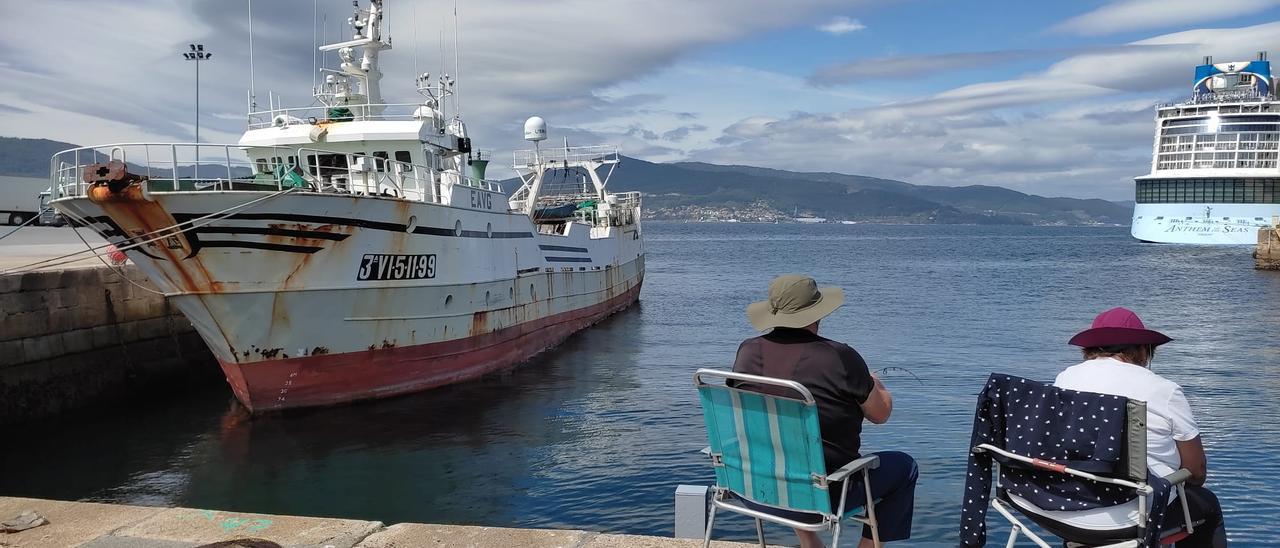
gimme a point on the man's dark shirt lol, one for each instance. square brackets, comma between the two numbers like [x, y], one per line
[834, 372]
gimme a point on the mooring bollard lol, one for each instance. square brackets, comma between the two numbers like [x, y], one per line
[691, 511]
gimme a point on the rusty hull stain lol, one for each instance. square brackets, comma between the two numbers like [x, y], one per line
[479, 323]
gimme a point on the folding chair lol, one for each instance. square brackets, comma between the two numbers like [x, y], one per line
[1131, 534]
[767, 450]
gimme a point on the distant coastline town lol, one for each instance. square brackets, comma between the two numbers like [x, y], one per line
[758, 211]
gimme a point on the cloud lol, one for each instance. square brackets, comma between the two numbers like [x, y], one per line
[909, 67]
[637, 131]
[1081, 126]
[682, 132]
[1130, 15]
[913, 66]
[142, 87]
[841, 25]
[1067, 152]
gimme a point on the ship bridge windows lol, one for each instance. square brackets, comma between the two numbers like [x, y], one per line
[330, 168]
[1208, 191]
[1203, 120]
[1220, 128]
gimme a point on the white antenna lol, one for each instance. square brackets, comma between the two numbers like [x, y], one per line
[315, 16]
[457, 100]
[253, 100]
[416, 47]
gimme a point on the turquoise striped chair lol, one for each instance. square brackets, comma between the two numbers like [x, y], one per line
[767, 449]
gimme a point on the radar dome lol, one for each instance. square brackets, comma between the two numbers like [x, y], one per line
[535, 129]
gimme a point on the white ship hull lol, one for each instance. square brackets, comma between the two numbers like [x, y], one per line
[314, 299]
[1225, 224]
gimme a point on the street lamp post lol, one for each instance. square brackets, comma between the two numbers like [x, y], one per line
[197, 54]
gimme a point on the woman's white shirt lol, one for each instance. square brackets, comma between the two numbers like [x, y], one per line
[1169, 417]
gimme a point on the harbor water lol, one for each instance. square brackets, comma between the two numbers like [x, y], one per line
[597, 433]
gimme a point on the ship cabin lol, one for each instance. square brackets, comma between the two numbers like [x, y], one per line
[1222, 145]
[1231, 121]
[417, 156]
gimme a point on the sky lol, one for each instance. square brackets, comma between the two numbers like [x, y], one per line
[1050, 98]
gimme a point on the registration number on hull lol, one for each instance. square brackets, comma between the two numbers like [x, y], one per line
[378, 267]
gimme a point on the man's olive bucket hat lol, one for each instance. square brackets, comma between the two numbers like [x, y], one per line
[794, 301]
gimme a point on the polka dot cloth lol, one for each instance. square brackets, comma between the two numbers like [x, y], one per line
[1082, 430]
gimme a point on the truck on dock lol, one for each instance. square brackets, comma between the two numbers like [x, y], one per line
[22, 198]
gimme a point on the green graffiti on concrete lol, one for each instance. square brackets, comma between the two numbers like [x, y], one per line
[233, 523]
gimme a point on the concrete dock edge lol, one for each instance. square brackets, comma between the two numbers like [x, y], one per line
[94, 525]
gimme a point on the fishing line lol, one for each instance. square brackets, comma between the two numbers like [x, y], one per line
[903, 369]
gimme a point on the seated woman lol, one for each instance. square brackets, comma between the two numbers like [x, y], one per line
[1118, 350]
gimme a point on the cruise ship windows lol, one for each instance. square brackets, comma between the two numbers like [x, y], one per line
[1191, 191]
[403, 156]
[1250, 150]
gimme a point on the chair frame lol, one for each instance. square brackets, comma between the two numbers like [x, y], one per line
[1143, 491]
[830, 522]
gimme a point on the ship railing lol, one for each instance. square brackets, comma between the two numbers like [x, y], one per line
[371, 174]
[166, 166]
[629, 200]
[1249, 96]
[192, 166]
[548, 157]
[314, 114]
[353, 173]
[622, 209]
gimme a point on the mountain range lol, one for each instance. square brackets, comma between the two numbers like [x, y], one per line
[698, 191]
[683, 189]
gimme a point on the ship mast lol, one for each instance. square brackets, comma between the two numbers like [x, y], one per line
[363, 71]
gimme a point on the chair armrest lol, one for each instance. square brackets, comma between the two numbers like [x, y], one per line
[1179, 476]
[869, 461]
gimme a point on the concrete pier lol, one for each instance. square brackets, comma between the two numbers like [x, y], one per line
[1267, 255]
[79, 335]
[92, 525]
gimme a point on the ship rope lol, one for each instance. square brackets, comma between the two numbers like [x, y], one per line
[153, 236]
[25, 223]
[89, 248]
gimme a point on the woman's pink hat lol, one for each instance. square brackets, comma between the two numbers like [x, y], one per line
[1118, 327]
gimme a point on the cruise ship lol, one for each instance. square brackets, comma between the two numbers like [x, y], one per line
[353, 249]
[1214, 177]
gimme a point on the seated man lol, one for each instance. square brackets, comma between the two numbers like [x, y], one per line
[845, 392]
[1118, 350]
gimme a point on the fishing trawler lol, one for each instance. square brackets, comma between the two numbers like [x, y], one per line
[354, 250]
[1214, 175]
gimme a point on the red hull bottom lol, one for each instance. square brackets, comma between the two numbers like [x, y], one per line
[329, 379]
